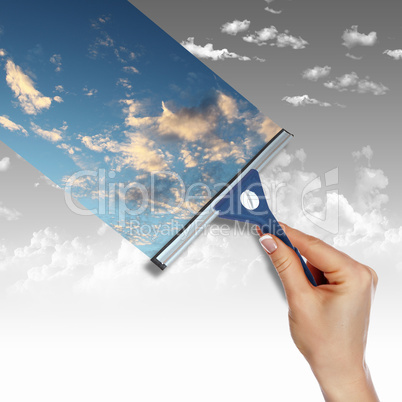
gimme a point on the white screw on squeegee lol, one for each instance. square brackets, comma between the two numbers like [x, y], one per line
[249, 200]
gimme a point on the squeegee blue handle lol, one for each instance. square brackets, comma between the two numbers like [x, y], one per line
[269, 224]
[231, 207]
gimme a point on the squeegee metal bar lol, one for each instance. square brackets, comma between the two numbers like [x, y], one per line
[195, 227]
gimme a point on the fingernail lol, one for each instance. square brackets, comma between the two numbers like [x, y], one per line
[268, 243]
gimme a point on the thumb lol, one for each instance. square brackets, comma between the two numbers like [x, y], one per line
[287, 264]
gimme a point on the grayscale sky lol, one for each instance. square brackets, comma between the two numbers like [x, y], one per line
[84, 314]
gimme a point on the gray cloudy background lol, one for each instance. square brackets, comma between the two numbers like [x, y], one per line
[85, 316]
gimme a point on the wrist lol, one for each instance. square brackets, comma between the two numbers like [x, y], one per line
[348, 384]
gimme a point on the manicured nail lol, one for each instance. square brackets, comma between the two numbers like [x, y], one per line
[268, 243]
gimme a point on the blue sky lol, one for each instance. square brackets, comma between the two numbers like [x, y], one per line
[99, 87]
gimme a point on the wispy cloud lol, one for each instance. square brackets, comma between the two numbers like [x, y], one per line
[130, 69]
[353, 57]
[261, 60]
[366, 152]
[59, 88]
[315, 73]
[262, 37]
[125, 83]
[10, 125]
[139, 152]
[89, 92]
[70, 149]
[208, 51]
[188, 158]
[4, 164]
[46, 181]
[97, 23]
[190, 125]
[353, 38]
[395, 54]
[270, 10]
[304, 100]
[228, 107]
[236, 26]
[9, 214]
[352, 82]
[104, 44]
[53, 135]
[30, 99]
[2, 53]
[56, 60]
[103, 41]
[195, 125]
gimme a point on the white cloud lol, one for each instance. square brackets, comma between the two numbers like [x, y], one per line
[4, 164]
[263, 126]
[262, 37]
[104, 40]
[353, 38]
[58, 99]
[196, 124]
[137, 150]
[49, 259]
[125, 83]
[10, 125]
[185, 124]
[208, 51]
[343, 82]
[9, 214]
[132, 110]
[285, 40]
[228, 107]
[366, 86]
[59, 88]
[97, 24]
[395, 54]
[282, 40]
[234, 27]
[352, 82]
[314, 74]
[89, 92]
[268, 128]
[130, 69]
[216, 149]
[366, 151]
[31, 100]
[272, 10]
[54, 135]
[259, 59]
[353, 57]
[188, 159]
[47, 181]
[56, 60]
[71, 150]
[304, 100]
[103, 229]
[2, 53]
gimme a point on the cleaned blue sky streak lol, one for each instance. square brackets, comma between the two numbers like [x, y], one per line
[92, 85]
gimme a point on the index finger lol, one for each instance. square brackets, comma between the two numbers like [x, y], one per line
[320, 254]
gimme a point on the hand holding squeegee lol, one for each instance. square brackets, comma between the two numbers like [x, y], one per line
[246, 202]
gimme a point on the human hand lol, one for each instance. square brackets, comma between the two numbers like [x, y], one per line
[328, 323]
